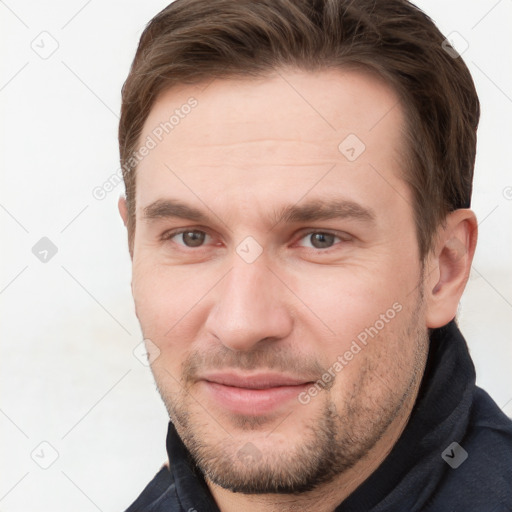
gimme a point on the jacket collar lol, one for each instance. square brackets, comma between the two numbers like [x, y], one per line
[411, 472]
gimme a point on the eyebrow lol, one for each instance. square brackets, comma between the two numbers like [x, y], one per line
[324, 210]
[310, 211]
[167, 208]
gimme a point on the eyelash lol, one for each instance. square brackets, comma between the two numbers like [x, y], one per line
[169, 234]
[338, 236]
[342, 237]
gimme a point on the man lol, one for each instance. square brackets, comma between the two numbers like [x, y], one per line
[298, 180]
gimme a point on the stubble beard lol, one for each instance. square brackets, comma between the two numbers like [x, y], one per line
[331, 442]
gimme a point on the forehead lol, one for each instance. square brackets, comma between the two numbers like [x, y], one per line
[282, 131]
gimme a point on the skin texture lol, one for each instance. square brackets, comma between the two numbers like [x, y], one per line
[210, 302]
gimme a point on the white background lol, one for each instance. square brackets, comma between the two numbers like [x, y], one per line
[68, 373]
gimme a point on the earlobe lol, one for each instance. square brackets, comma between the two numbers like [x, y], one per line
[451, 260]
[123, 209]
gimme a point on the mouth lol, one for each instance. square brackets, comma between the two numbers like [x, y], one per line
[252, 394]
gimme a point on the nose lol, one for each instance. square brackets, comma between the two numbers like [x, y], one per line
[250, 308]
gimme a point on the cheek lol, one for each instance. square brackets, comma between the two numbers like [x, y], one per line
[377, 355]
[172, 305]
[168, 300]
[164, 306]
[348, 301]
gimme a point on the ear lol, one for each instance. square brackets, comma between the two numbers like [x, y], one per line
[123, 209]
[448, 266]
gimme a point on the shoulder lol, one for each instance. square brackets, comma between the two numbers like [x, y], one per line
[489, 439]
[483, 480]
[158, 495]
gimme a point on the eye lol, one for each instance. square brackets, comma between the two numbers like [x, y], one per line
[319, 240]
[188, 238]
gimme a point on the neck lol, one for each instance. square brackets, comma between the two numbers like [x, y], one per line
[326, 497]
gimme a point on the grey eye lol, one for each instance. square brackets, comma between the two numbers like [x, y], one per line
[321, 240]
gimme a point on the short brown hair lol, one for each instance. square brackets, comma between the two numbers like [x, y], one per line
[192, 41]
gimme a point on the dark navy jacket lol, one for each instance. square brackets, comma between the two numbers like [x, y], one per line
[455, 454]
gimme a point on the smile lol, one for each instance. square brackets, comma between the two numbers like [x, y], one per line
[252, 394]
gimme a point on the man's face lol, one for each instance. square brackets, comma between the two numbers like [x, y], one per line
[276, 274]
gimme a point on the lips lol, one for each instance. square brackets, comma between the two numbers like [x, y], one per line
[256, 381]
[253, 394]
